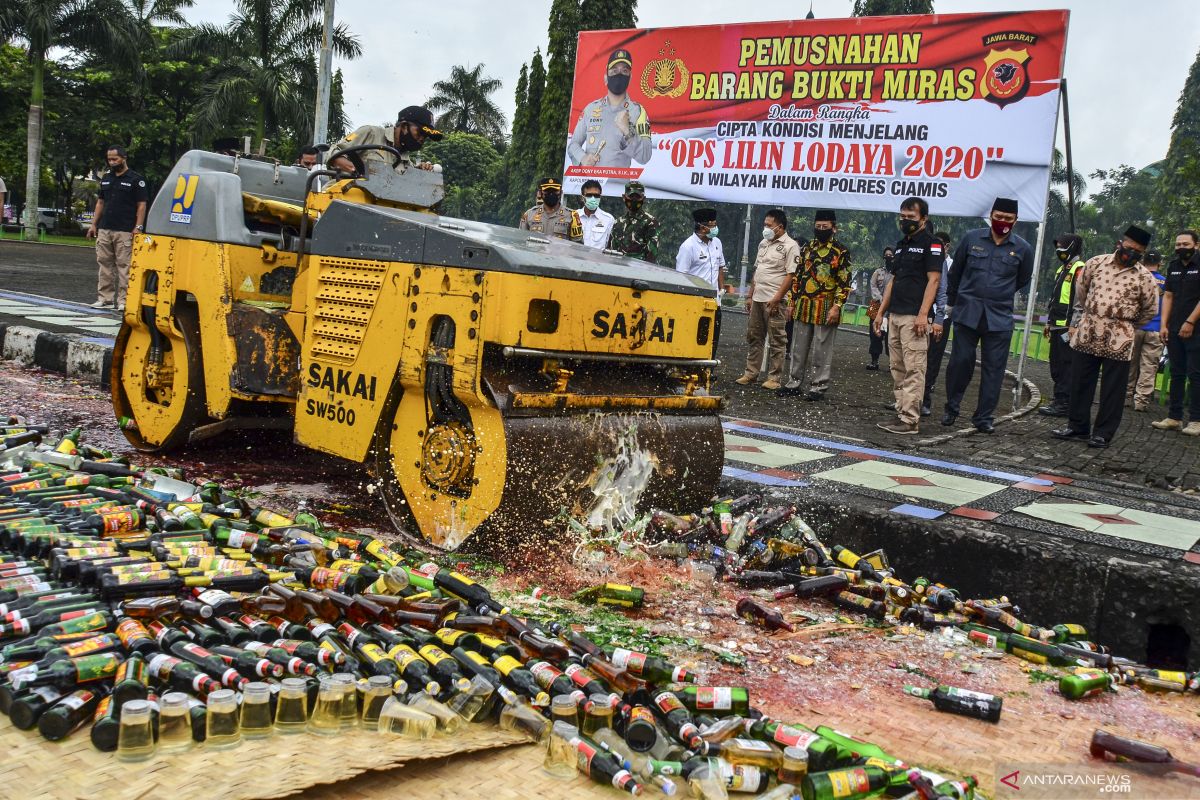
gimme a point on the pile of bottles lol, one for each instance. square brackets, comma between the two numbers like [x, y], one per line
[774, 548]
[164, 615]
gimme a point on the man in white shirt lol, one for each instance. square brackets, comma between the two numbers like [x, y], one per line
[774, 266]
[701, 255]
[597, 223]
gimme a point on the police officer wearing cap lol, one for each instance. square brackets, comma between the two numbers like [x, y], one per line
[550, 216]
[1114, 296]
[990, 266]
[636, 233]
[414, 126]
[613, 131]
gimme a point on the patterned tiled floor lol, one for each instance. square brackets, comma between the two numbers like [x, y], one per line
[928, 488]
[45, 310]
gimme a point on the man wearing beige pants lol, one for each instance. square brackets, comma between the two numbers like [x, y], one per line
[1147, 346]
[774, 266]
[907, 303]
[120, 213]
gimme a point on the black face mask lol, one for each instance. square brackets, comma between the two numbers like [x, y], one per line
[634, 204]
[1127, 255]
[617, 84]
[823, 235]
[551, 198]
[909, 226]
[1184, 253]
[1064, 255]
[407, 143]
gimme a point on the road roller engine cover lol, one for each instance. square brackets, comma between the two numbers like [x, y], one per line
[488, 377]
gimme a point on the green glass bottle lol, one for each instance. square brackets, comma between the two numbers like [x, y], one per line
[70, 713]
[963, 702]
[822, 753]
[852, 783]
[618, 595]
[717, 701]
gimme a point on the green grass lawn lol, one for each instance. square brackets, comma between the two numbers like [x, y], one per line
[47, 238]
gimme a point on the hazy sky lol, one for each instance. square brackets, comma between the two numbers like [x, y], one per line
[1124, 73]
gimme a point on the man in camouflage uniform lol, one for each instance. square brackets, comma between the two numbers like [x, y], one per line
[613, 131]
[636, 233]
[551, 216]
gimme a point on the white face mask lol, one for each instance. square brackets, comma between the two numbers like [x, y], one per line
[768, 233]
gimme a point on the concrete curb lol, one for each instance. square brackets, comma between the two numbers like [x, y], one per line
[67, 354]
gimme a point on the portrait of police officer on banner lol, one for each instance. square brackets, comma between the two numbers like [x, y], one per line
[614, 130]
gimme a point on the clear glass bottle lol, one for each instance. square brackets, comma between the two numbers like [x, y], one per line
[224, 729]
[256, 719]
[378, 690]
[291, 707]
[326, 717]
[174, 723]
[349, 711]
[403, 720]
[560, 751]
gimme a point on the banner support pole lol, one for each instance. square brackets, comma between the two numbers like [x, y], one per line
[745, 256]
[1037, 263]
[1066, 114]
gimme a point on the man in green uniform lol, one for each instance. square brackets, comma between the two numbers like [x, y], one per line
[612, 131]
[636, 233]
[550, 216]
[1067, 248]
[414, 125]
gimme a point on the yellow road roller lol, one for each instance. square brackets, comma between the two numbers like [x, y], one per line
[489, 378]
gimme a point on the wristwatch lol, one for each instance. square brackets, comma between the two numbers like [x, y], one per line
[139, 228]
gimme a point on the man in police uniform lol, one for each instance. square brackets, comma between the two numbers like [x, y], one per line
[636, 233]
[1067, 249]
[613, 130]
[551, 216]
[414, 126]
[1180, 316]
[596, 223]
[991, 265]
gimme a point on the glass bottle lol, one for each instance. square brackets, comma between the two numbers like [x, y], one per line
[291, 706]
[326, 717]
[224, 730]
[256, 721]
[135, 740]
[174, 723]
[378, 690]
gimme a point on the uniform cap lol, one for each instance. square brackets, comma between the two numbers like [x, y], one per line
[422, 118]
[1136, 234]
[620, 56]
[825, 215]
[550, 183]
[704, 215]
[1152, 257]
[635, 187]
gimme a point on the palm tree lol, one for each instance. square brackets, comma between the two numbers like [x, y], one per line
[263, 55]
[101, 27]
[466, 103]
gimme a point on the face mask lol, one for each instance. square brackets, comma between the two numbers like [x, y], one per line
[713, 231]
[1184, 253]
[407, 143]
[634, 204]
[1001, 228]
[550, 198]
[1127, 255]
[909, 226]
[591, 203]
[617, 84]
[768, 234]
[823, 235]
[1064, 255]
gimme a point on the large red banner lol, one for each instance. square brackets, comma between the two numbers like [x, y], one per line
[842, 113]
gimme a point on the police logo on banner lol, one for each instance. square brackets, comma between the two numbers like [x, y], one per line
[1005, 71]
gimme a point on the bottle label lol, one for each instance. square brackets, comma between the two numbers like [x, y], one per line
[754, 744]
[788, 736]
[47, 693]
[544, 673]
[578, 675]
[584, 753]
[679, 675]
[130, 632]
[215, 597]
[381, 552]
[631, 660]
[667, 702]
[76, 700]
[159, 666]
[351, 633]
[90, 645]
[742, 777]
[1174, 677]
[120, 521]
[848, 782]
[966, 694]
[490, 642]
[373, 653]
[20, 627]
[1036, 658]
[983, 639]
[450, 636]
[714, 698]
[97, 667]
[475, 657]
[621, 778]
[434, 655]
[506, 664]
[403, 655]
[321, 629]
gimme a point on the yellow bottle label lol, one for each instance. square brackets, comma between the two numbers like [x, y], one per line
[1036, 658]
[506, 664]
[450, 635]
[478, 659]
[462, 578]
[489, 642]
[403, 655]
[373, 652]
[433, 654]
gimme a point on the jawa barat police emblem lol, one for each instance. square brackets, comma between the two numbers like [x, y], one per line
[1005, 71]
[665, 77]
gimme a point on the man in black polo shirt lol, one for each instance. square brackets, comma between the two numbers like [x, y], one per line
[120, 212]
[1180, 317]
[907, 304]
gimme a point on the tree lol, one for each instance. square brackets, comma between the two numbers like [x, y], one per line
[1177, 202]
[565, 22]
[520, 160]
[1058, 218]
[604, 15]
[471, 166]
[886, 8]
[264, 55]
[78, 26]
[466, 104]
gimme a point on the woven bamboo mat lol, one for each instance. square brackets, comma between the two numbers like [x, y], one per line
[32, 768]
[511, 773]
